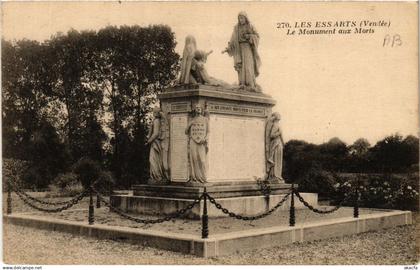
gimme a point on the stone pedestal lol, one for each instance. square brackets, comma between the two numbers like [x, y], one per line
[246, 198]
[236, 156]
[236, 149]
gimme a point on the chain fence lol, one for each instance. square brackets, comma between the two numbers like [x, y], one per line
[265, 189]
[319, 211]
[69, 204]
[100, 197]
[168, 217]
[240, 217]
[29, 197]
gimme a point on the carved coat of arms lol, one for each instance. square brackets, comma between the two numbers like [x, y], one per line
[199, 129]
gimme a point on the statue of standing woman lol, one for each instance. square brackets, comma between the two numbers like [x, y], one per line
[243, 47]
[274, 144]
[158, 139]
[198, 131]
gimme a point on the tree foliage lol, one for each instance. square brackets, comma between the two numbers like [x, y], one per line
[73, 58]
[84, 95]
[135, 63]
[314, 166]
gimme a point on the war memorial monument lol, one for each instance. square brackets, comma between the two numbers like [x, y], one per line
[209, 141]
[210, 134]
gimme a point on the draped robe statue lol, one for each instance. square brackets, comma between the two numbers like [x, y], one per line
[187, 58]
[158, 139]
[198, 131]
[243, 47]
[193, 69]
[274, 144]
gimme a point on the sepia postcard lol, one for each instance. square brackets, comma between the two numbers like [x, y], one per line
[209, 132]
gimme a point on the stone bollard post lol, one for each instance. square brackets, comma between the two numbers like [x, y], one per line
[98, 201]
[205, 218]
[356, 201]
[292, 218]
[91, 217]
[9, 198]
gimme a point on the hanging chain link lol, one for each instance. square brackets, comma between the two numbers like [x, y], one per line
[71, 203]
[265, 188]
[313, 209]
[240, 217]
[168, 217]
[17, 187]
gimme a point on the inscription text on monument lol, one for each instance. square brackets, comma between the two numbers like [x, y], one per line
[178, 152]
[236, 148]
[236, 109]
[180, 107]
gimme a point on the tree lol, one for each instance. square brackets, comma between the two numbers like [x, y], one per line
[65, 90]
[87, 170]
[78, 91]
[359, 159]
[28, 133]
[138, 161]
[136, 63]
[12, 170]
[49, 156]
[391, 154]
[360, 147]
[411, 145]
[25, 94]
[333, 155]
[299, 158]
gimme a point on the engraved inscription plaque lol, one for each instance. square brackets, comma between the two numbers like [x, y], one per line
[180, 107]
[179, 141]
[236, 148]
[236, 109]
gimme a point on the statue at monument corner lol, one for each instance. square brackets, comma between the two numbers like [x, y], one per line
[187, 57]
[193, 69]
[198, 131]
[158, 139]
[274, 144]
[243, 47]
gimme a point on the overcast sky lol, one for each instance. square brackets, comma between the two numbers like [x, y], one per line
[346, 86]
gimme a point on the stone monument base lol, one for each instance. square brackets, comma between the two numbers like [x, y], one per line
[241, 198]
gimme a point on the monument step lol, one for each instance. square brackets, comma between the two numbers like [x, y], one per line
[216, 190]
[241, 205]
[225, 243]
